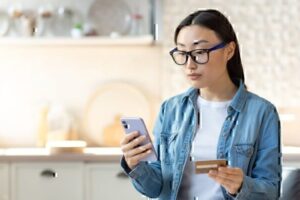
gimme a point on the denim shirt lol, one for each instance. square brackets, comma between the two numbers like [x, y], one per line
[249, 139]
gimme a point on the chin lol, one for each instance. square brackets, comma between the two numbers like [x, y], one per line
[197, 84]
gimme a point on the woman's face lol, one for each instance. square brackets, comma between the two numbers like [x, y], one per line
[212, 73]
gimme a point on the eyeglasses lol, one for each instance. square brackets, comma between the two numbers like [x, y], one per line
[199, 56]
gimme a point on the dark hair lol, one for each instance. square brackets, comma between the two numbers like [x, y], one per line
[217, 22]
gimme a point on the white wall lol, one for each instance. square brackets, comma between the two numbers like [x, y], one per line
[66, 75]
[268, 33]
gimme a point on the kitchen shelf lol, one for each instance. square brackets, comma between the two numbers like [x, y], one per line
[87, 41]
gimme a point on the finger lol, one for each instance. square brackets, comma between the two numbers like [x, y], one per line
[224, 181]
[230, 170]
[225, 178]
[129, 137]
[231, 182]
[212, 173]
[133, 143]
[137, 150]
[230, 186]
[228, 175]
[140, 156]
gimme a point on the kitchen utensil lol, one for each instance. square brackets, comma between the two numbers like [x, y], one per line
[4, 23]
[59, 123]
[107, 105]
[110, 17]
[64, 20]
[66, 146]
[27, 25]
[15, 12]
[44, 18]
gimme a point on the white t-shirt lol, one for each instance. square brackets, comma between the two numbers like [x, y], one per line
[204, 147]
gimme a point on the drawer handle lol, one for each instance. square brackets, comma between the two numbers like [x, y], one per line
[49, 173]
[122, 175]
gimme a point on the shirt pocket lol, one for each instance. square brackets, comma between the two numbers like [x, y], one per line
[168, 147]
[243, 154]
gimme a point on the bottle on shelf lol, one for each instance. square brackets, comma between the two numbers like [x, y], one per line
[42, 126]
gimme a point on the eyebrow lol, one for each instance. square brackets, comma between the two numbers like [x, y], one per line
[195, 42]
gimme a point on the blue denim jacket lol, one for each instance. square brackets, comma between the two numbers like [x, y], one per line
[249, 139]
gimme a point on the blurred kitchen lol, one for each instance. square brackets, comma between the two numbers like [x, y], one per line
[70, 69]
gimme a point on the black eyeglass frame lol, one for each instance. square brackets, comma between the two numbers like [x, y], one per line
[189, 53]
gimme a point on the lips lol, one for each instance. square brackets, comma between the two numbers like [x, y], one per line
[194, 76]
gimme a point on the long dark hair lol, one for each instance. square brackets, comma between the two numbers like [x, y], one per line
[217, 22]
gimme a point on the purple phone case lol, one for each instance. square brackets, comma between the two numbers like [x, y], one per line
[137, 124]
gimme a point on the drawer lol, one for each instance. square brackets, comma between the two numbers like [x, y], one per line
[47, 181]
[107, 181]
[4, 181]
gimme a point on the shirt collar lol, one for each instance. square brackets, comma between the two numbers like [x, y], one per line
[237, 102]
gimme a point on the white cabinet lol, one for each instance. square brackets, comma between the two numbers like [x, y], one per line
[65, 180]
[107, 181]
[4, 181]
[47, 181]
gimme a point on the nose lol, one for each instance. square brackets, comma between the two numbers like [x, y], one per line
[190, 64]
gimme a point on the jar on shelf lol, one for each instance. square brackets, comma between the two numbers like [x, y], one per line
[137, 24]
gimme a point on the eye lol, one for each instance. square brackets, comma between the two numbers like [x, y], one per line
[179, 53]
[199, 52]
[182, 53]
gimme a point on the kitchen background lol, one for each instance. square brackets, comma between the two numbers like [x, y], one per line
[67, 76]
[69, 69]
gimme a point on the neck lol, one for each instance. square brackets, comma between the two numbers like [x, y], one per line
[220, 91]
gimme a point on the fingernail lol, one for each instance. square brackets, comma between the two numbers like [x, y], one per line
[220, 168]
[212, 172]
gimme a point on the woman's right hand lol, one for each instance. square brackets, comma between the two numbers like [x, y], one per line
[133, 152]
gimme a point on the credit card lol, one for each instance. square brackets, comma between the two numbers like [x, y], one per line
[204, 166]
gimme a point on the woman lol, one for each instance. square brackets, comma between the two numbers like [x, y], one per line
[217, 118]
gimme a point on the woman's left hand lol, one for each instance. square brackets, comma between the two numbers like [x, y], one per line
[230, 178]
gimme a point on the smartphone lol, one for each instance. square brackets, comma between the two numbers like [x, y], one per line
[204, 166]
[131, 124]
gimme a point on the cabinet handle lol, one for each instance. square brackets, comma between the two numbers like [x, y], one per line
[122, 175]
[49, 173]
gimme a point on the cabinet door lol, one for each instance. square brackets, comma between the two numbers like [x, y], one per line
[47, 181]
[4, 181]
[107, 181]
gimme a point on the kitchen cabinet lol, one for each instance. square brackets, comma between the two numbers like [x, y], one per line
[47, 181]
[107, 181]
[42, 179]
[4, 182]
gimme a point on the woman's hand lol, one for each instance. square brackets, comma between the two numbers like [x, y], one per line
[133, 152]
[230, 178]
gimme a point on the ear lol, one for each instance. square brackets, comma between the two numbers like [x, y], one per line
[230, 49]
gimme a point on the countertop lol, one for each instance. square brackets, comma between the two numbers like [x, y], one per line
[291, 155]
[103, 154]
